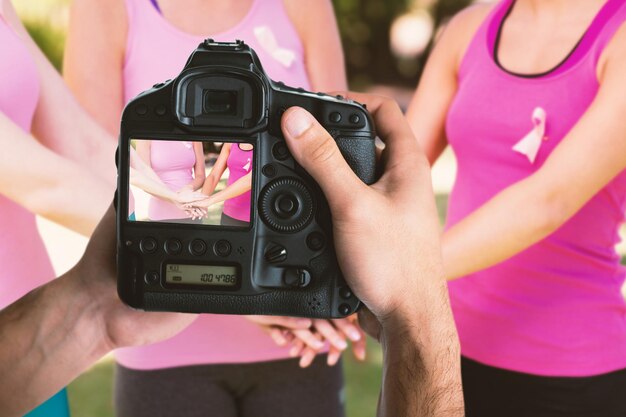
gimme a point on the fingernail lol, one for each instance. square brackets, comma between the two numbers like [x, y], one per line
[293, 352]
[318, 345]
[298, 122]
[354, 335]
[342, 344]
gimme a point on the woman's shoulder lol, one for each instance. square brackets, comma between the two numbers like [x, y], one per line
[614, 54]
[460, 30]
[465, 23]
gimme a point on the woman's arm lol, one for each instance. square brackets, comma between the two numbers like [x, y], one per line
[217, 171]
[199, 171]
[60, 123]
[94, 58]
[438, 85]
[143, 149]
[323, 54]
[587, 159]
[48, 184]
[242, 185]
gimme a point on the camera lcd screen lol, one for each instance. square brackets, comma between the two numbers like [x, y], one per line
[200, 182]
[218, 275]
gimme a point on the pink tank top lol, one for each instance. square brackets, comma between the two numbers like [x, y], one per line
[23, 256]
[173, 162]
[156, 50]
[554, 309]
[239, 165]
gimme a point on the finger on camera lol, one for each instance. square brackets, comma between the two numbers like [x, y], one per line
[391, 126]
[314, 148]
[331, 334]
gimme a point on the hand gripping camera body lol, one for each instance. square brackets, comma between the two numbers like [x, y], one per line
[282, 262]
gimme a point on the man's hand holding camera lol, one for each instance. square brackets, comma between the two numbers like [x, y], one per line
[387, 242]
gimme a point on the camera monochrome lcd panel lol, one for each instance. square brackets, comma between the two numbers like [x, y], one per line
[263, 243]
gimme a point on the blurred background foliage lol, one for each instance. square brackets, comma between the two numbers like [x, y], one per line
[386, 43]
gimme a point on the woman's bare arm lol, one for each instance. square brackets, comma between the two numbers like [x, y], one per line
[94, 58]
[323, 54]
[438, 85]
[60, 123]
[48, 184]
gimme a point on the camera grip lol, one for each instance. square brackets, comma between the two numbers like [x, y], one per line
[360, 153]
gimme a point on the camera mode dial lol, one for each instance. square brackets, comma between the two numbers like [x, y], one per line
[286, 205]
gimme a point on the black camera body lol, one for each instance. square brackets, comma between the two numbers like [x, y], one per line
[283, 262]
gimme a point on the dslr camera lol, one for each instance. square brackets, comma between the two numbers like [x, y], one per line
[264, 242]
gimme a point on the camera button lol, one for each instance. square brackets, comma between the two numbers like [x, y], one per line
[286, 205]
[141, 110]
[345, 293]
[276, 254]
[297, 277]
[345, 309]
[335, 117]
[269, 170]
[151, 278]
[197, 247]
[354, 119]
[280, 151]
[160, 110]
[315, 241]
[222, 248]
[148, 245]
[173, 246]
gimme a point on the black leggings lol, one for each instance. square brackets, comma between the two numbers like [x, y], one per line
[263, 389]
[497, 392]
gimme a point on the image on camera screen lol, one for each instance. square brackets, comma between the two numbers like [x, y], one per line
[198, 182]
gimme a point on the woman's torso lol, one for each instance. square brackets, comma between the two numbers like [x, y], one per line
[239, 165]
[173, 162]
[556, 308]
[23, 256]
[156, 51]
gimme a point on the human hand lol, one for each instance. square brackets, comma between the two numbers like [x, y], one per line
[185, 196]
[310, 336]
[307, 344]
[184, 200]
[121, 325]
[204, 203]
[409, 279]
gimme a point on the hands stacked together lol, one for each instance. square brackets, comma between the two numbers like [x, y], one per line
[194, 203]
[308, 337]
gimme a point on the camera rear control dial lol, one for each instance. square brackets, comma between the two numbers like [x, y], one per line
[286, 205]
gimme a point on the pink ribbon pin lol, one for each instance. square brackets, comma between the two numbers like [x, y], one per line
[530, 144]
[268, 42]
